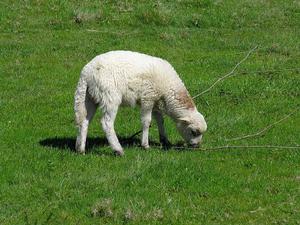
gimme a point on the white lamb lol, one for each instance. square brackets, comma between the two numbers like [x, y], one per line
[129, 78]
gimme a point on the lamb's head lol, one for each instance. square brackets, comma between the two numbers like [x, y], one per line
[191, 127]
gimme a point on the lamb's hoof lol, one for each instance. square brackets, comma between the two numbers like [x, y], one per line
[146, 147]
[166, 144]
[119, 153]
[81, 152]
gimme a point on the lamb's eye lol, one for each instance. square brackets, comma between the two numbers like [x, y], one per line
[196, 133]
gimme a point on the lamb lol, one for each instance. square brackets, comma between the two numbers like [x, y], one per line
[125, 78]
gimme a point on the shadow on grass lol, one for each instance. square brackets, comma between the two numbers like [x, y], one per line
[68, 143]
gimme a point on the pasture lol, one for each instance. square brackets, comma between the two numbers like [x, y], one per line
[45, 44]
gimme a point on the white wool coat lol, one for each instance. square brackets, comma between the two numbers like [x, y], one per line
[129, 78]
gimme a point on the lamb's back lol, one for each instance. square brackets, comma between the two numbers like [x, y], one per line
[132, 74]
[129, 64]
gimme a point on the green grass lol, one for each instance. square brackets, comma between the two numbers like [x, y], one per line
[44, 45]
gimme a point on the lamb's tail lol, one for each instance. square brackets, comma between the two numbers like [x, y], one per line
[80, 98]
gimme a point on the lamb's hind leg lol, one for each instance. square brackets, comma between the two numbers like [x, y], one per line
[107, 122]
[84, 115]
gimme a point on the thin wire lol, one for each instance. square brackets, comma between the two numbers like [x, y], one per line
[265, 129]
[238, 146]
[226, 75]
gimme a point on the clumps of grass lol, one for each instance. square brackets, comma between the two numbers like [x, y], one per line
[184, 35]
[166, 36]
[128, 216]
[80, 16]
[124, 7]
[102, 209]
[55, 23]
[195, 21]
[199, 4]
[156, 15]
[156, 214]
[276, 49]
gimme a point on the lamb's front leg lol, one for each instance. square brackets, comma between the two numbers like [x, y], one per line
[107, 122]
[163, 138]
[146, 120]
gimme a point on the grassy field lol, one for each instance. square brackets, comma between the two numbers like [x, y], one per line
[44, 45]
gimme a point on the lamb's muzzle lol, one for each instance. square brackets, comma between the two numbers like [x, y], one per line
[128, 78]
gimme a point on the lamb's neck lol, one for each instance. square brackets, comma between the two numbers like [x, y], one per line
[177, 102]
